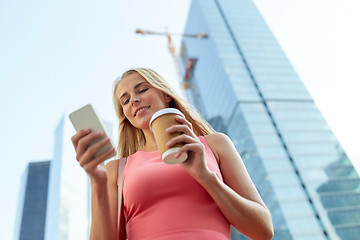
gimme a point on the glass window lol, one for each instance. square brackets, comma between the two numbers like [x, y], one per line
[262, 127]
[291, 86]
[296, 115]
[341, 200]
[351, 216]
[277, 164]
[348, 232]
[283, 178]
[305, 125]
[314, 175]
[244, 92]
[319, 235]
[293, 209]
[315, 160]
[302, 136]
[287, 95]
[341, 172]
[294, 192]
[272, 151]
[256, 116]
[312, 148]
[292, 106]
[303, 225]
[252, 107]
[276, 79]
[266, 139]
[340, 186]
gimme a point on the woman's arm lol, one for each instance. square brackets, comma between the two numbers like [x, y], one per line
[103, 184]
[104, 205]
[237, 196]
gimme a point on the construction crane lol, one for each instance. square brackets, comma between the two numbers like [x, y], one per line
[171, 47]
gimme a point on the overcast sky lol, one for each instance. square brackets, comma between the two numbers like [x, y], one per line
[56, 56]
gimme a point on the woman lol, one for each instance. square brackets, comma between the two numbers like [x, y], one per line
[197, 199]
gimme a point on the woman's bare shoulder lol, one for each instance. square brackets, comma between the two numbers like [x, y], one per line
[112, 169]
[216, 138]
[217, 141]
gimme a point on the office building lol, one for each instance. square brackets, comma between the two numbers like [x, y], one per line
[245, 86]
[54, 199]
[67, 212]
[30, 220]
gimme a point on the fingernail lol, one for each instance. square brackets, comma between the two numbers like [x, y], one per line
[86, 130]
[99, 133]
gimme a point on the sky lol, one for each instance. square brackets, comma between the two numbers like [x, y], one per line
[57, 56]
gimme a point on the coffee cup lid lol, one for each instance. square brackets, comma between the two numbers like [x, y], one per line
[165, 111]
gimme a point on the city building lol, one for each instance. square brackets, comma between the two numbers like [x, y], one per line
[243, 83]
[68, 212]
[54, 200]
[67, 216]
[33, 198]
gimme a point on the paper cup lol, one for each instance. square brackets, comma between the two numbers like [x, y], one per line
[160, 121]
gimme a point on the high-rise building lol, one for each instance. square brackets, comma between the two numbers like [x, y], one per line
[54, 199]
[245, 86]
[30, 220]
[68, 210]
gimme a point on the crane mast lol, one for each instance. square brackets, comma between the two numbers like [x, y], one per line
[184, 85]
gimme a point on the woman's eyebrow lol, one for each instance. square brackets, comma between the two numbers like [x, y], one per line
[136, 86]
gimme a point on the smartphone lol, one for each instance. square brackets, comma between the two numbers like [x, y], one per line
[86, 117]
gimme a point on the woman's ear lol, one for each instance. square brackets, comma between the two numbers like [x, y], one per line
[168, 98]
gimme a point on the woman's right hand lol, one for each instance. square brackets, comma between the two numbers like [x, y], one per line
[93, 166]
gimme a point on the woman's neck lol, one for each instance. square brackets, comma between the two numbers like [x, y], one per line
[150, 144]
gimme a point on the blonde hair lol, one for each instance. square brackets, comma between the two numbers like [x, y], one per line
[132, 139]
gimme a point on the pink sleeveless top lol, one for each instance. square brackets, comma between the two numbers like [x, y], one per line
[163, 201]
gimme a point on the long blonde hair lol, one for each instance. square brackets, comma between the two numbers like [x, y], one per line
[132, 139]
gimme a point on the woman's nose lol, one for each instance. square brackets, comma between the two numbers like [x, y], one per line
[135, 100]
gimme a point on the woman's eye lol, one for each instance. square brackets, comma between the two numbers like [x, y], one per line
[126, 101]
[143, 90]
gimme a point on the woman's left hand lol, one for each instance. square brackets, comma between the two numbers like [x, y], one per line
[195, 164]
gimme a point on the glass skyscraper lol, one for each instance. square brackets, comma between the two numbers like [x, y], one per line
[68, 210]
[54, 200]
[245, 86]
[30, 220]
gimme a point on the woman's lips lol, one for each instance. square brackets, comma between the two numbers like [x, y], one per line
[141, 109]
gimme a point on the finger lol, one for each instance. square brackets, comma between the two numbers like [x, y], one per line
[93, 149]
[183, 138]
[98, 160]
[83, 143]
[181, 129]
[191, 147]
[80, 134]
[183, 120]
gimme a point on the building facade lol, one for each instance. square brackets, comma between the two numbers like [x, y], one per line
[54, 199]
[68, 208]
[245, 86]
[30, 220]
[68, 212]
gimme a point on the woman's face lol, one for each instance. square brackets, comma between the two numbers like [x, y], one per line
[140, 100]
